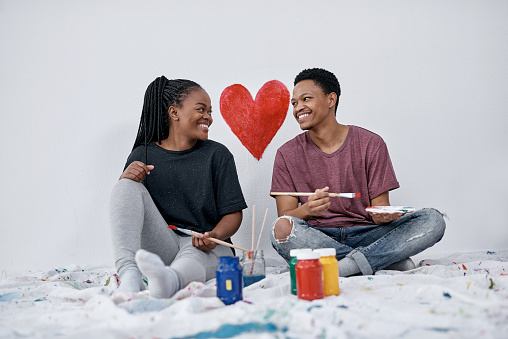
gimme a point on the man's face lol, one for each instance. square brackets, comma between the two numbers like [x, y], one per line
[310, 105]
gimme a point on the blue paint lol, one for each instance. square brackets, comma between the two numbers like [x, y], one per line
[229, 280]
[313, 306]
[446, 295]
[251, 279]
[489, 252]
[10, 296]
[441, 329]
[342, 306]
[370, 278]
[229, 331]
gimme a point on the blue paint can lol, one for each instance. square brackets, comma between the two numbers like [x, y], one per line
[229, 280]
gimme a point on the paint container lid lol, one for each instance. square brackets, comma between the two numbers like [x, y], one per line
[326, 252]
[307, 255]
[295, 251]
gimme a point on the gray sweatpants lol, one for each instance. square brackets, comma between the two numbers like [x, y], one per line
[136, 223]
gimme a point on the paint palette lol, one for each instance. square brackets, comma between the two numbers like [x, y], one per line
[390, 209]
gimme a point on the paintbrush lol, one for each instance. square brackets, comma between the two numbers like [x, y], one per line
[199, 235]
[300, 194]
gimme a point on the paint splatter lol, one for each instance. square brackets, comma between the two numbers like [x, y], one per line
[229, 331]
[314, 306]
[447, 295]
[10, 296]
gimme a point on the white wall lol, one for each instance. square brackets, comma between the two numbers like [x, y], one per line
[431, 77]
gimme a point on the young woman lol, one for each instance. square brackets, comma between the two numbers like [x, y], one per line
[174, 175]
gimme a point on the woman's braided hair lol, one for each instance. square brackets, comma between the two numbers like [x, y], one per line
[159, 96]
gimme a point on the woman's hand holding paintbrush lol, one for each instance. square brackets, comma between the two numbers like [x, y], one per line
[202, 237]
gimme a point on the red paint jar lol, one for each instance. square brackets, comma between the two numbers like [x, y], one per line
[309, 276]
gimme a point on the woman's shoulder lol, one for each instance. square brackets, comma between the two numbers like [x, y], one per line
[214, 146]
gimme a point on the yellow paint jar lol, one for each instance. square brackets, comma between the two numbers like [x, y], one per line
[330, 271]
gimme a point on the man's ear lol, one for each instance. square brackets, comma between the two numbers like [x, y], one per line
[332, 100]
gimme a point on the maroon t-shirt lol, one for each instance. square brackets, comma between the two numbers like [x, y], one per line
[361, 165]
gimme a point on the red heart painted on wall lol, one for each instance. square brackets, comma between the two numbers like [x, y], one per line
[255, 122]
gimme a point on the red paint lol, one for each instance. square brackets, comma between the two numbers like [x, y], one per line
[255, 122]
[464, 267]
[309, 276]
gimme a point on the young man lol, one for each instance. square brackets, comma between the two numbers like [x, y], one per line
[331, 157]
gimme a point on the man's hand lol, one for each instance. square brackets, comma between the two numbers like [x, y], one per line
[136, 171]
[319, 202]
[384, 218]
[203, 243]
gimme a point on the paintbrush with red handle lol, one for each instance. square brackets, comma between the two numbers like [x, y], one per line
[199, 235]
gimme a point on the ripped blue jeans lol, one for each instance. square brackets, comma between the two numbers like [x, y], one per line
[372, 247]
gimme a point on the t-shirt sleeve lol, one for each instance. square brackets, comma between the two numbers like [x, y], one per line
[136, 155]
[380, 174]
[281, 179]
[228, 192]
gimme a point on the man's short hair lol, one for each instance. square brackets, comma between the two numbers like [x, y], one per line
[322, 78]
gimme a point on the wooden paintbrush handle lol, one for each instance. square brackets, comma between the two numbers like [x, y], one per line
[227, 244]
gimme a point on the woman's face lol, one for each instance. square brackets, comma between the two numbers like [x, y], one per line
[194, 116]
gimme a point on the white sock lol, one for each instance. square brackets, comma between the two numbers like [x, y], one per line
[163, 281]
[403, 265]
[347, 267]
[130, 280]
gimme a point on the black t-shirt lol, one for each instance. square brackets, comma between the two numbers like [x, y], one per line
[194, 188]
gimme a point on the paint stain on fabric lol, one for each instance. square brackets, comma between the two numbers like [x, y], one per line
[468, 284]
[229, 331]
[10, 296]
[464, 267]
[447, 295]
[314, 306]
[491, 284]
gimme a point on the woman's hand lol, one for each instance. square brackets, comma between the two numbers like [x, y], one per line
[203, 243]
[136, 171]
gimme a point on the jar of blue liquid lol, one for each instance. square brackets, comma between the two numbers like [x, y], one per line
[229, 280]
[253, 267]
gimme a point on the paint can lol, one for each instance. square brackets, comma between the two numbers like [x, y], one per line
[309, 276]
[292, 264]
[229, 280]
[253, 267]
[330, 271]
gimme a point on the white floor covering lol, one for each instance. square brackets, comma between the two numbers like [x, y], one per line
[464, 295]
